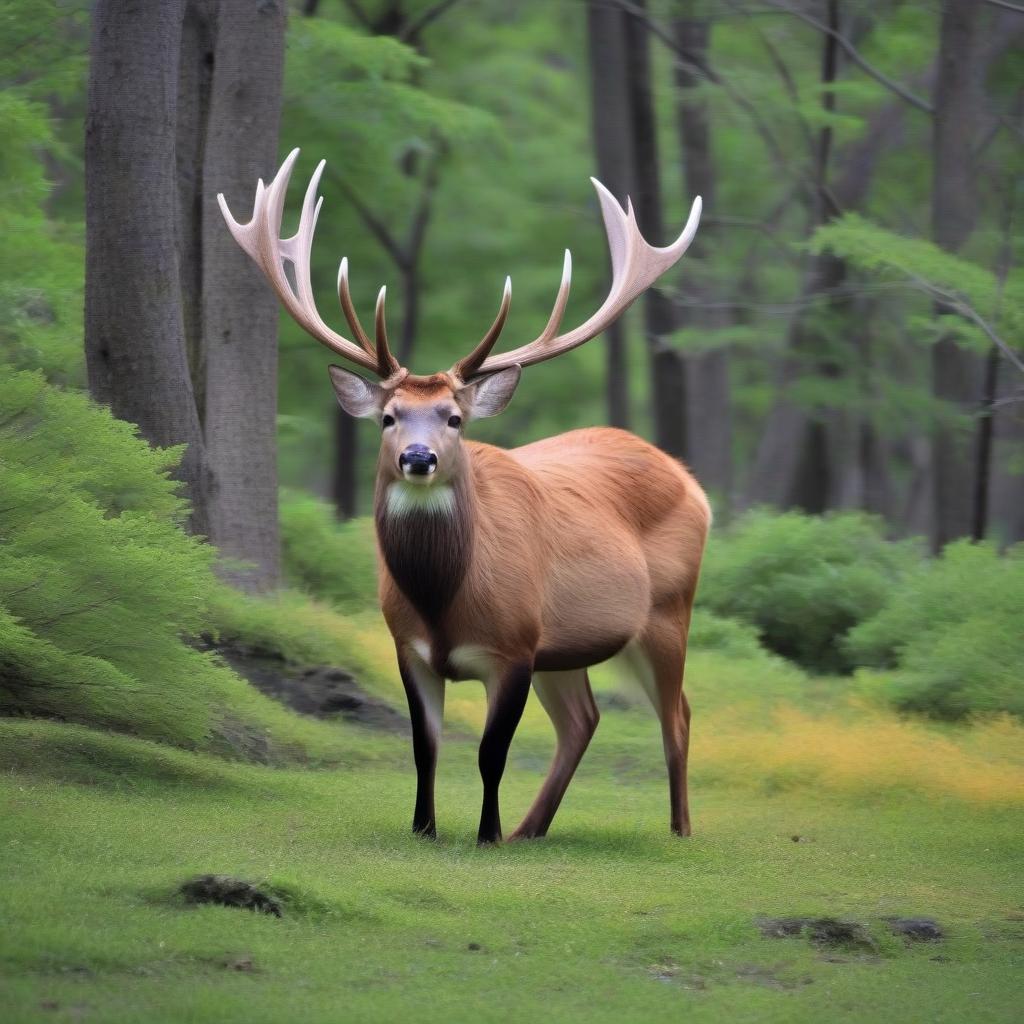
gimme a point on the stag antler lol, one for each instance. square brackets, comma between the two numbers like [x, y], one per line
[635, 267]
[260, 238]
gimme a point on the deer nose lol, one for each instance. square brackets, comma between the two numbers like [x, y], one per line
[417, 460]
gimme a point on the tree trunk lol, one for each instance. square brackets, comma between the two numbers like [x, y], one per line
[344, 480]
[812, 459]
[195, 77]
[956, 374]
[184, 101]
[134, 328]
[240, 312]
[1007, 488]
[708, 393]
[668, 373]
[610, 130]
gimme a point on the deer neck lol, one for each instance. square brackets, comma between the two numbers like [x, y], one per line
[426, 538]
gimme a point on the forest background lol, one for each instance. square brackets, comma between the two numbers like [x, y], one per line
[183, 507]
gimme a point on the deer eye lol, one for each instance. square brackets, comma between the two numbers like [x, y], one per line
[387, 420]
[454, 421]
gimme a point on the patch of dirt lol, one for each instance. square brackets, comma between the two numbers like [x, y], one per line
[230, 892]
[243, 963]
[322, 691]
[770, 977]
[613, 701]
[916, 929]
[824, 932]
[668, 971]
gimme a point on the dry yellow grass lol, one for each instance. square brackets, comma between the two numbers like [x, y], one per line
[864, 749]
[750, 729]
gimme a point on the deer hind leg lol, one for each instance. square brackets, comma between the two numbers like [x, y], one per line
[658, 658]
[569, 702]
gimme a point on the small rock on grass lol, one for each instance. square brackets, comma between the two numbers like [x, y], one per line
[916, 929]
[230, 892]
[827, 932]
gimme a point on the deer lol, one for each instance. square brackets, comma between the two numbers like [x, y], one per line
[521, 567]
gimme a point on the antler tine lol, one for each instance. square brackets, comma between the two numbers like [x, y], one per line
[261, 240]
[349, 309]
[387, 364]
[636, 265]
[561, 300]
[468, 365]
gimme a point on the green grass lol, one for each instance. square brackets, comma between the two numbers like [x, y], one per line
[609, 919]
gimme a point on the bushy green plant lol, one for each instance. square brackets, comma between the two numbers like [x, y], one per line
[954, 632]
[334, 561]
[803, 581]
[100, 587]
[731, 637]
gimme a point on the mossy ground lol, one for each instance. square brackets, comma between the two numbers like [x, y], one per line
[609, 919]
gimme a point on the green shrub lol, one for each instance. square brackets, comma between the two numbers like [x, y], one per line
[734, 639]
[99, 586]
[803, 581]
[334, 561]
[954, 632]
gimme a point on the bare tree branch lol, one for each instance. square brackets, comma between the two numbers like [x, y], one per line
[1016, 8]
[788, 82]
[421, 218]
[854, 54]
[419, 23]
[377, 227]
[701, 69]
[356, 9]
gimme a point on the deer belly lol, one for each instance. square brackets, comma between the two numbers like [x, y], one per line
[595, 606]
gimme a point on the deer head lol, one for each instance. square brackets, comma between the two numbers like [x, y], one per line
[421, 418]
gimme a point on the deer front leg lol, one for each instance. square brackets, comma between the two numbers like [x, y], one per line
[507, 691]
[424, 689]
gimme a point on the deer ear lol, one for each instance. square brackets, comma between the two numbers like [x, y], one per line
[487, 396]
[358, 397]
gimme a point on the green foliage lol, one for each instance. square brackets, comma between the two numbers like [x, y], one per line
[99, 586]
[924, 264]
[101, 830]
[803, 581]
[333, 561]
[952, 630]
[40, 260]
[726, 636]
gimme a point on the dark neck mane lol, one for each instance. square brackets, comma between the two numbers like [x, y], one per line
[427, 551]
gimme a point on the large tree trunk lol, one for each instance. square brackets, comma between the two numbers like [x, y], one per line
[195, 76]
[1006, 494]
[956, 374]
[239, 313]
[134, 328]
[804, 456]
[667, 370]
[610, 130]
[184, 102]
[708, 394]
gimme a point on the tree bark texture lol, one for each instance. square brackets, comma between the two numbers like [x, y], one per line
[708, 392]
[820, 459]
[667, 370]
[239, 312]
[344, 479]
[956, 374]
[611, 133]
[134, 325]
[184, 102]
[1006, 494]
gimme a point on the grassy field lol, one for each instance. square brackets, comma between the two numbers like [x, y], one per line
[803, 805]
